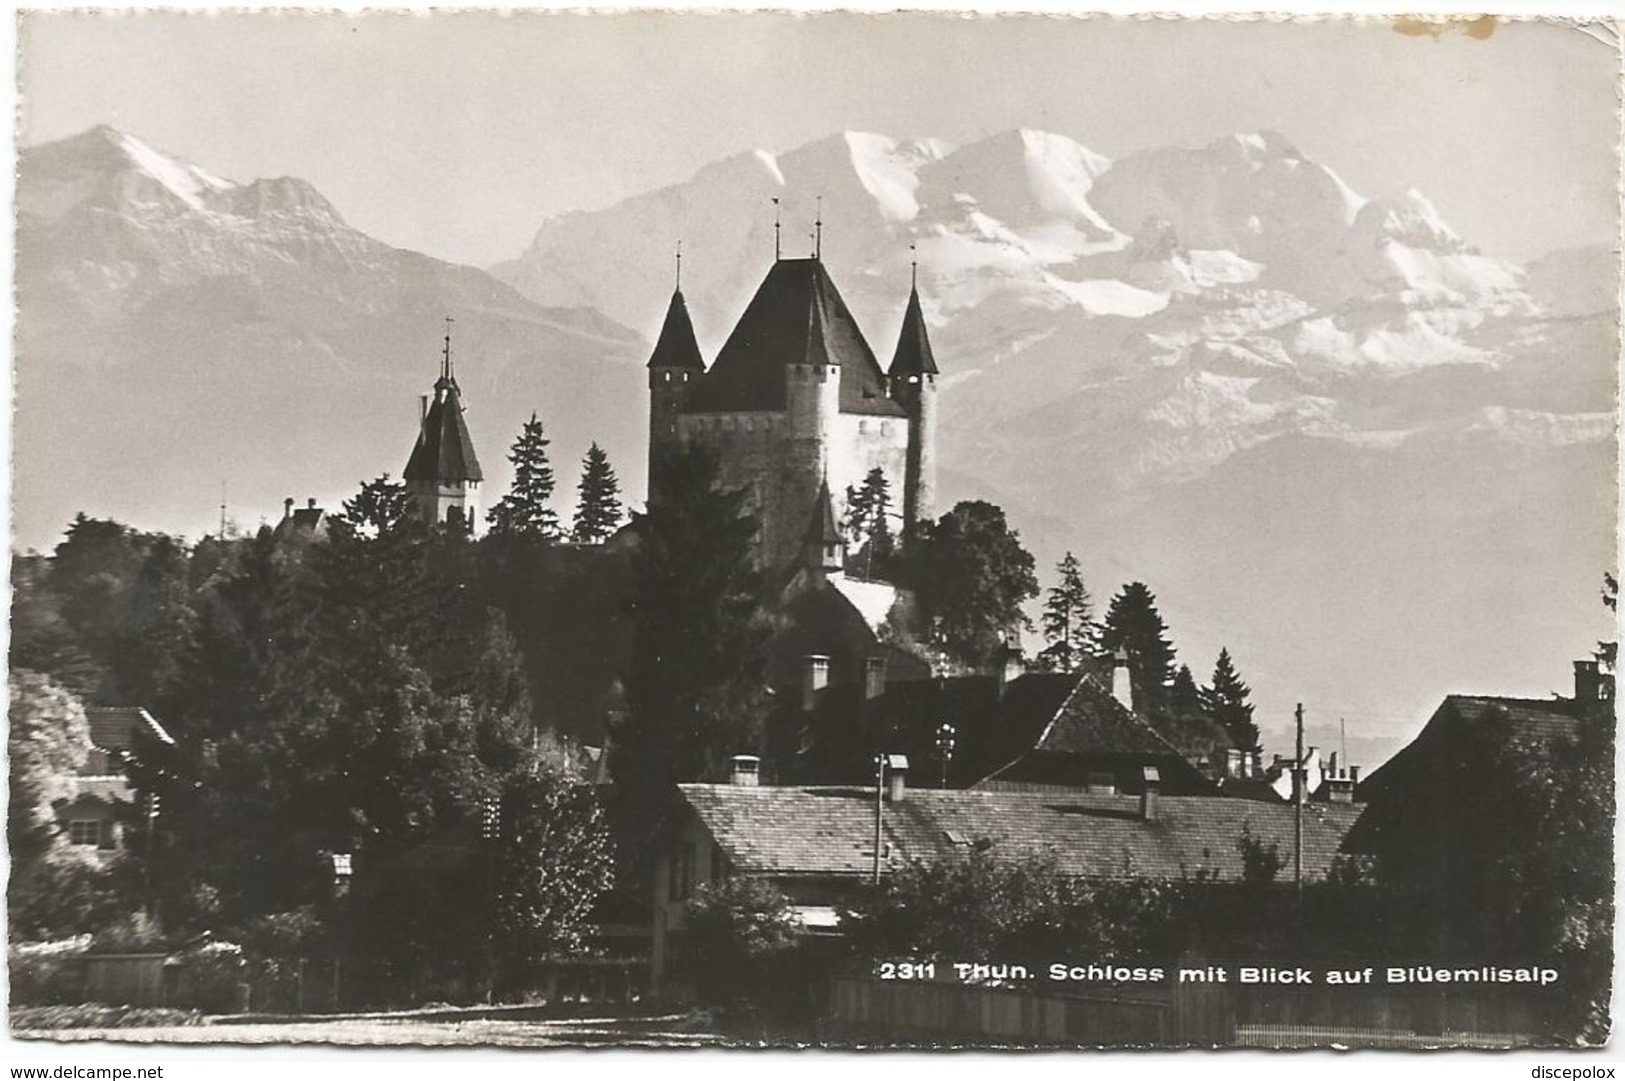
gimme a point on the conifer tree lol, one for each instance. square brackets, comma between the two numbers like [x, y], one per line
[598, 499]
[1226, 702]
[1068, 622]
[695, 678]
[869, 525]
[524, 511]
[1134, 625]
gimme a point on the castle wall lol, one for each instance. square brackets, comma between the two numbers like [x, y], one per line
[780, 470]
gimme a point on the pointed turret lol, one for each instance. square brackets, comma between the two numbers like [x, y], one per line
[676, 348]
[673, 367]
[913, 356]
[912, 379]
[443, 472]
[825, 547]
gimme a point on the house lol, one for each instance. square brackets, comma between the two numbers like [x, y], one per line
[119, 737]
[1425, 819]
[302, 526]
[816, 843]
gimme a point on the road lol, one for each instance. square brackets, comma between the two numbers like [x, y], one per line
[676, 1030]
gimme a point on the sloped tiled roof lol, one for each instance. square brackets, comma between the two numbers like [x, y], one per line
[913, 355]
[104, 789]
[796, 317]
[1432, 750]
[1093, 721]
[790, 831]
[444, 451]
[677, 347]
[114, 728]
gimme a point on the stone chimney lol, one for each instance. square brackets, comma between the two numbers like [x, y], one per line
[1340, 785]
[310, 503]
[1011, 666]
[896, 777]
[1150, 793]
[745, 771]
[874, 677]
[287, 507]
[814, 678]
[1122, 683]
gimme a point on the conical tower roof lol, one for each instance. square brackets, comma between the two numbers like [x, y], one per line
[444, 450]
[677, 347]
[796, 317]
[822, 530]
[913, 356]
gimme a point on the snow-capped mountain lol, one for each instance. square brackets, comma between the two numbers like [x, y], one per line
[1304, 415]
[177, 329]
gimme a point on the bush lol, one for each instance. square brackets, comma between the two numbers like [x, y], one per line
[740, 934]
[47, 973]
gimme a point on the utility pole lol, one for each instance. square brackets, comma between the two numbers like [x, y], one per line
[880, 807]
[1299, 783]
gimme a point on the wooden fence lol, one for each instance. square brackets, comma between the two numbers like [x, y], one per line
[896, 1012]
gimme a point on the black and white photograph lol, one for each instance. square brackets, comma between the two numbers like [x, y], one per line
[758, 529]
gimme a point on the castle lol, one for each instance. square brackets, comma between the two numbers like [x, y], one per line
[796, 401]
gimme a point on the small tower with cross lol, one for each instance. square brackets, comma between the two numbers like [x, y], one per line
[443, 473]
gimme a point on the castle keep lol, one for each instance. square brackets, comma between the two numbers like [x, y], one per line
[443, 474]
[796, 400]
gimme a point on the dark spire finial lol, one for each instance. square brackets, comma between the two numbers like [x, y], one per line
[776, 248]
[445, 356]
[818, 231]
[913, 267]
[679, 264]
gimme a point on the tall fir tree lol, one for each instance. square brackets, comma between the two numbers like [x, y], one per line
[869, 534]
[598, 500]
[524, 511]
[1068, 622]
[1226, 702]
[695, 682]
[1134, 625]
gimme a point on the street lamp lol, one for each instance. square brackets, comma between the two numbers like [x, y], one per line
[945, 749]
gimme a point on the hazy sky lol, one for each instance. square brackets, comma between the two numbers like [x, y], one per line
[456, 134]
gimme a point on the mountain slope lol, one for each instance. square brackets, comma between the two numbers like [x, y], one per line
[177, 330]
[1302, 414]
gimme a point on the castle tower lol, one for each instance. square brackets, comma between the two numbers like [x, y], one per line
[913, 383]
[823, 546]
[673, 366]
[443, 474]
[812, 401]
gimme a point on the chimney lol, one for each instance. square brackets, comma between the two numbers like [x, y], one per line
[1011, 666]
[1340, 788]
[287, 507]
[1150, 793]
[896, 777]
[1252, 764]
[1233, 759]
[423, 409]
[1354, 774]
[874, 677]
[745, 771]
[310, 504]
[814, 678]
[1122, 684]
